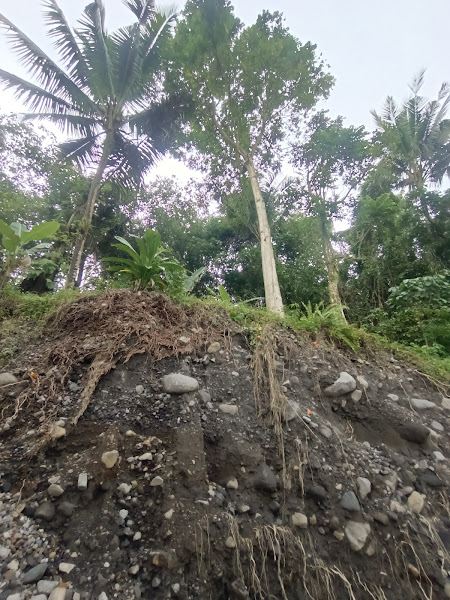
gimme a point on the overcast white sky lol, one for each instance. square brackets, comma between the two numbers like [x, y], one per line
[373, 47]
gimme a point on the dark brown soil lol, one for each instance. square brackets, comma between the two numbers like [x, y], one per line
[197, 449]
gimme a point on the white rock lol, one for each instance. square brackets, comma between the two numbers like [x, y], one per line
[326, 432]
[137, 536]
[293, 410]
[124, 488]
[65, 567]
[357, 534]
[17, 596]
[230, 542]
[103, 596]
[416, 502]
[391, 481]
[57, 432]
[4, 552]
[169, 514]
[140, 389]
[446, 403]
[364, 487]
[157, 481]
[393, 397]
[110, 458]
[54, 490]
[437, 426]
[184, 340]
[7, 378]
[397, 507]
[146, 456]
[134, 570]
[123, 513]
[356, 395]
[363, 382]
[44, 586]
[213, 348]
[228, 409]
[438, 456]
[232, 484]
[177, 383]
[300, 520]
[345, 384]
[14, 565]
[419, 404]
[82, 481]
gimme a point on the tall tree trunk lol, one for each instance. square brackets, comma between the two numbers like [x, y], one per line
[89, 211]
[274, 302]
[331, 263]
[81, 270]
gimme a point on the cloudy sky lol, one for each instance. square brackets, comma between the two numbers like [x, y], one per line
[373, 47]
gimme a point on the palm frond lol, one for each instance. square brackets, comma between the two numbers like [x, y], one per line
[165, 19]
[96, 52]
[130, 159]
[417, 83]
[65, 42]
[46, 72]
[160, 121]
[71, 124]
[81, 151]
[142, 9]
[33, 96]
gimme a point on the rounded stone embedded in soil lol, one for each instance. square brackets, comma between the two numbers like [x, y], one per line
[416, 502]
[57, 432]
[177, 383]
[357, 534]
[350, 502]
[156, 481]
[110, 458]
[7, 379]
[229, 409]
[345, 384]
[213, 348]
[364, 487]
[230, 542]
[300, 520]
[265, 478]
[232, 484]
[54, 490]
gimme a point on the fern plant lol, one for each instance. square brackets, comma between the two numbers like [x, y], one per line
[330, 318]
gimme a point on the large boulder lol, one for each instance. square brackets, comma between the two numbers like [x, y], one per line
[345, 384]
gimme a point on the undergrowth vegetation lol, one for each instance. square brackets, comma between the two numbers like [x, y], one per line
[36, 313]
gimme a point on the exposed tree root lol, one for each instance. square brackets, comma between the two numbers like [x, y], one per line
[99, 332]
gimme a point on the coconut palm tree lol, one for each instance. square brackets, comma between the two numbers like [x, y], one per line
[106, 93]
[416, 137]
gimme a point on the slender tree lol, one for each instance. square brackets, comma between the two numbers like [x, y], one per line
[246, 82]
[331, 163]
[105, 92]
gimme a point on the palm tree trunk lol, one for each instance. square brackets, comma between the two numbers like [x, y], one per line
[89, 212]
[274, 302]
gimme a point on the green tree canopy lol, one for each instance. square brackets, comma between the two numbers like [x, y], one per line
[246, 82]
